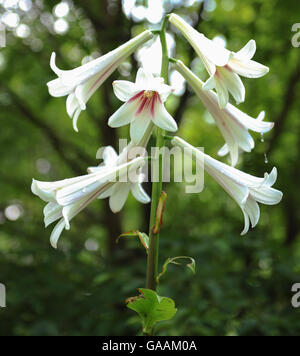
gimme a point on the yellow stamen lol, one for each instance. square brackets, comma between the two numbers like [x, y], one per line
[148, 94]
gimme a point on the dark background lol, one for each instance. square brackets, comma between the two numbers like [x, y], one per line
[242, 285]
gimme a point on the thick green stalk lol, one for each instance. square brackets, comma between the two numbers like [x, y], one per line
[152, 261]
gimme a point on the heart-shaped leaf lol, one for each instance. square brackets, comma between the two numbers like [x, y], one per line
[151, 308]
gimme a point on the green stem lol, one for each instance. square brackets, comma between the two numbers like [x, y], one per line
[165, 56]
[152, 261]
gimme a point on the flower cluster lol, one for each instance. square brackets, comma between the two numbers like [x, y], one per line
[144, 109]
[66, 198]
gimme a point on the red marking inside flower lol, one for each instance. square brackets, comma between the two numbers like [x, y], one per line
[146, 101]
[138, 95]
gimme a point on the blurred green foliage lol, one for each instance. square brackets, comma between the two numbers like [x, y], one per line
[242, 286]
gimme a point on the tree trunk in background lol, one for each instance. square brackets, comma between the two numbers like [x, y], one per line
[108, 28]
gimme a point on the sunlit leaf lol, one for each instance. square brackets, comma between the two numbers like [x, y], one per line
[151, 308]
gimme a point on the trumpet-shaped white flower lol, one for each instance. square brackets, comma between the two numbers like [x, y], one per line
[118, 192]
[66, 198]
[144, 105]
[245, 189]
[223, 66]
[232, 122]
[80, 84]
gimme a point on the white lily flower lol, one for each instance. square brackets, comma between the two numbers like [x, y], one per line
[223, 66]
[245, 189]
[66, 198]
[144, 105]
[119, 191]
[232, 122]
[82, 82]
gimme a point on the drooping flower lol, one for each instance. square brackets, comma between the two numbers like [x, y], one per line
[222, 65]
[80, 84]
[66, 198]
[144, 105]
[119, 191]
[232, 122]
[245, 189]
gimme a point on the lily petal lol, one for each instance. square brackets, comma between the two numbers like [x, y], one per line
[110, 156]
[233, 83]
[247, 223]
[124, 90]
[252, 209]
[248, 69]
[143, 78]
[139, 193]
[52, 212]
[57, 88]
[139, 126]
[56, 232]
[106, 193]
[53, 65]
[247, 52]
[163, 119]
[223, 151]
[46, 195]
[119, 196]
[257, 125]
[164, 92]
[209, 84]
[222, 92]
[123, 115]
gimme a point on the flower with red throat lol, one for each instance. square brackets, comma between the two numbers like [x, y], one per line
[144, 105]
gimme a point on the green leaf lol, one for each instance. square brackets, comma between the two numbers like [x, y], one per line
[173, 260]
[151, 308]
[144, 238]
